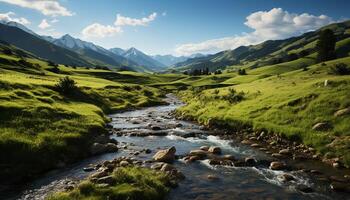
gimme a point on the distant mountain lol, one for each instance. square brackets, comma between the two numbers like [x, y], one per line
[270, 52]
[18, 25]
[93, 51]
[170, 60]
[143, 59]
[40, 47]
[117, 51]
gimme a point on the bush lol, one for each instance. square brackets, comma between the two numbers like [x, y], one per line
[242, 72]
[66, 85]
[340, 69]
[233, 96]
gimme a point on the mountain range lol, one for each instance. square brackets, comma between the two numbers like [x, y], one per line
[73, 51]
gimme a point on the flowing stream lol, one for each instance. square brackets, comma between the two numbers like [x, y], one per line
[229, 182]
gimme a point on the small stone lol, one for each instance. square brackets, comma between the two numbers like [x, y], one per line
[336, 165]
[285, 152]
[246, 142]
[124, 163]
[304, 188]
[148, 151]
[156, 128]
[200, 153]
[315, 171]
[88, 169]
[277, 155]
[342, 112]
[255, 145]
[228, 157]
[212, 177]
[323, 126]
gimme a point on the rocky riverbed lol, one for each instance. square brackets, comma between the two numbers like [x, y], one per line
[205, 164]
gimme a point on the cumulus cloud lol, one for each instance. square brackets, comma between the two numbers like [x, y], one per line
[8, 17]
[99, 30]
[44, 24]
[46, 7]
[267, 25]
[127, 21]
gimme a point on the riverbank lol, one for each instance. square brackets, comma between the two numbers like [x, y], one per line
[297, 106]
[43, 129]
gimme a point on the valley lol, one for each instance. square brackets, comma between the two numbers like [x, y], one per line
[263, 121]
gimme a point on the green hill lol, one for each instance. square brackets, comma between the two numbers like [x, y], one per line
[270, 52]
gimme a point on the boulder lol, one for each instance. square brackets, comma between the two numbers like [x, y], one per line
[111, 147]
[166, 155]
[285, 177]
[106, 180]
[204, 148]
[277, 165]
[322, 126]
[97, 148]
[340, 187]
[167, 167]
[342, 112]
[156, 128]
[200, 153]
[214, 150]
[157, 166]
[250, 161]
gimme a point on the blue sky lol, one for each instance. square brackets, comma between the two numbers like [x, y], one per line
[179, 27]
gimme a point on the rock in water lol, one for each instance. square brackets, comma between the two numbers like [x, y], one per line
[166, 155]
[277, 165]
[214, 150]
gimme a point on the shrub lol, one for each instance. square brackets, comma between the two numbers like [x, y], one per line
[66, 85]
[340, 69]
[233, 96]
[242, 72]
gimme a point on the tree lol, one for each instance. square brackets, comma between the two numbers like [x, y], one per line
[66, 86]
[326, 46]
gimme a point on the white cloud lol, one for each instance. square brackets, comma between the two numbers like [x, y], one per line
[127, 21]
[99, 31]
[7, 17]
[44, 24]
[54, 20]
[46, 7]
[266, 25]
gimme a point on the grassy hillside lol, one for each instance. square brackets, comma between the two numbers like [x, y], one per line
[270, 52]
[283, 99]
[42, 128]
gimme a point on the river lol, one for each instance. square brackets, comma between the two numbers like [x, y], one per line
[229, 182]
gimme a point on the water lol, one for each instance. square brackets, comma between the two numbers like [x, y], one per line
[231, 182]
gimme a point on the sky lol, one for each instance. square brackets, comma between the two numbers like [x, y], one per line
[177, 27]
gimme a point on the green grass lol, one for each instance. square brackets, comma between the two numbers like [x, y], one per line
[41, 128]
[288, 104]
[130, 184]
